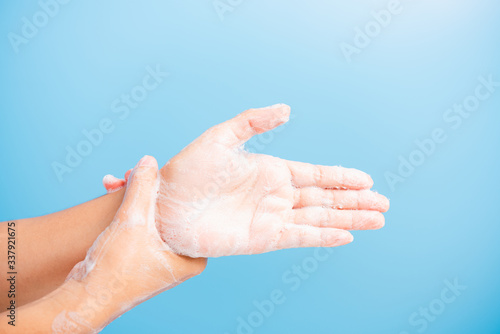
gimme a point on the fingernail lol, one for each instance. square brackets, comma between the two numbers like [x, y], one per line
[146, 161]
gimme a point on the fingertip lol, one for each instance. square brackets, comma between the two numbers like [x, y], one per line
[352, 178]
[380, 222]
[145, 170]
[386, 204]
[109, 180]
[377, 221]
[284, 111]
[378, 201]
[368, 220]
[127, 174]
[347, 238]
[147, 161]
[112, 184]
[280, 114]
[367, 180]
[335, 238]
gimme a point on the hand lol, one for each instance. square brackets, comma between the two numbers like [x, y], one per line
[217, 199]
[129, 262]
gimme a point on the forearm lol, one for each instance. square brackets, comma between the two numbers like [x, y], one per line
[88, 305]
[68, 309]
[48, 247]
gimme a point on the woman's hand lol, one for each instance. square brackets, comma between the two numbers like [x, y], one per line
[216, 199]
[129, 262]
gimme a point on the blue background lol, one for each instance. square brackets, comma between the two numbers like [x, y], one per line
[443, 223]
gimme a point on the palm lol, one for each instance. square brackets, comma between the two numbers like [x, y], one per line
[218, 200]
[236, 204]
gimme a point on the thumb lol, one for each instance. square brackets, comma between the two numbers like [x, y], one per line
[142, 190]
[252, 122]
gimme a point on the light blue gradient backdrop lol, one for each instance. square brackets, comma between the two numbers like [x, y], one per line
[444, 219]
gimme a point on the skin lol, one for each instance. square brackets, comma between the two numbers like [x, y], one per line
[108, 283]
[217, 199]
[48, 247]
[262, 204]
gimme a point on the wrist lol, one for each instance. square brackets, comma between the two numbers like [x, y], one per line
[81, 309]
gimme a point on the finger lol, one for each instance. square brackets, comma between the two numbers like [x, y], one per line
[112, 183]
[340, 199]
[295, 236]
[141, 194]
[127, 175]
[307, 175]
[341, 219]
[240, 129]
